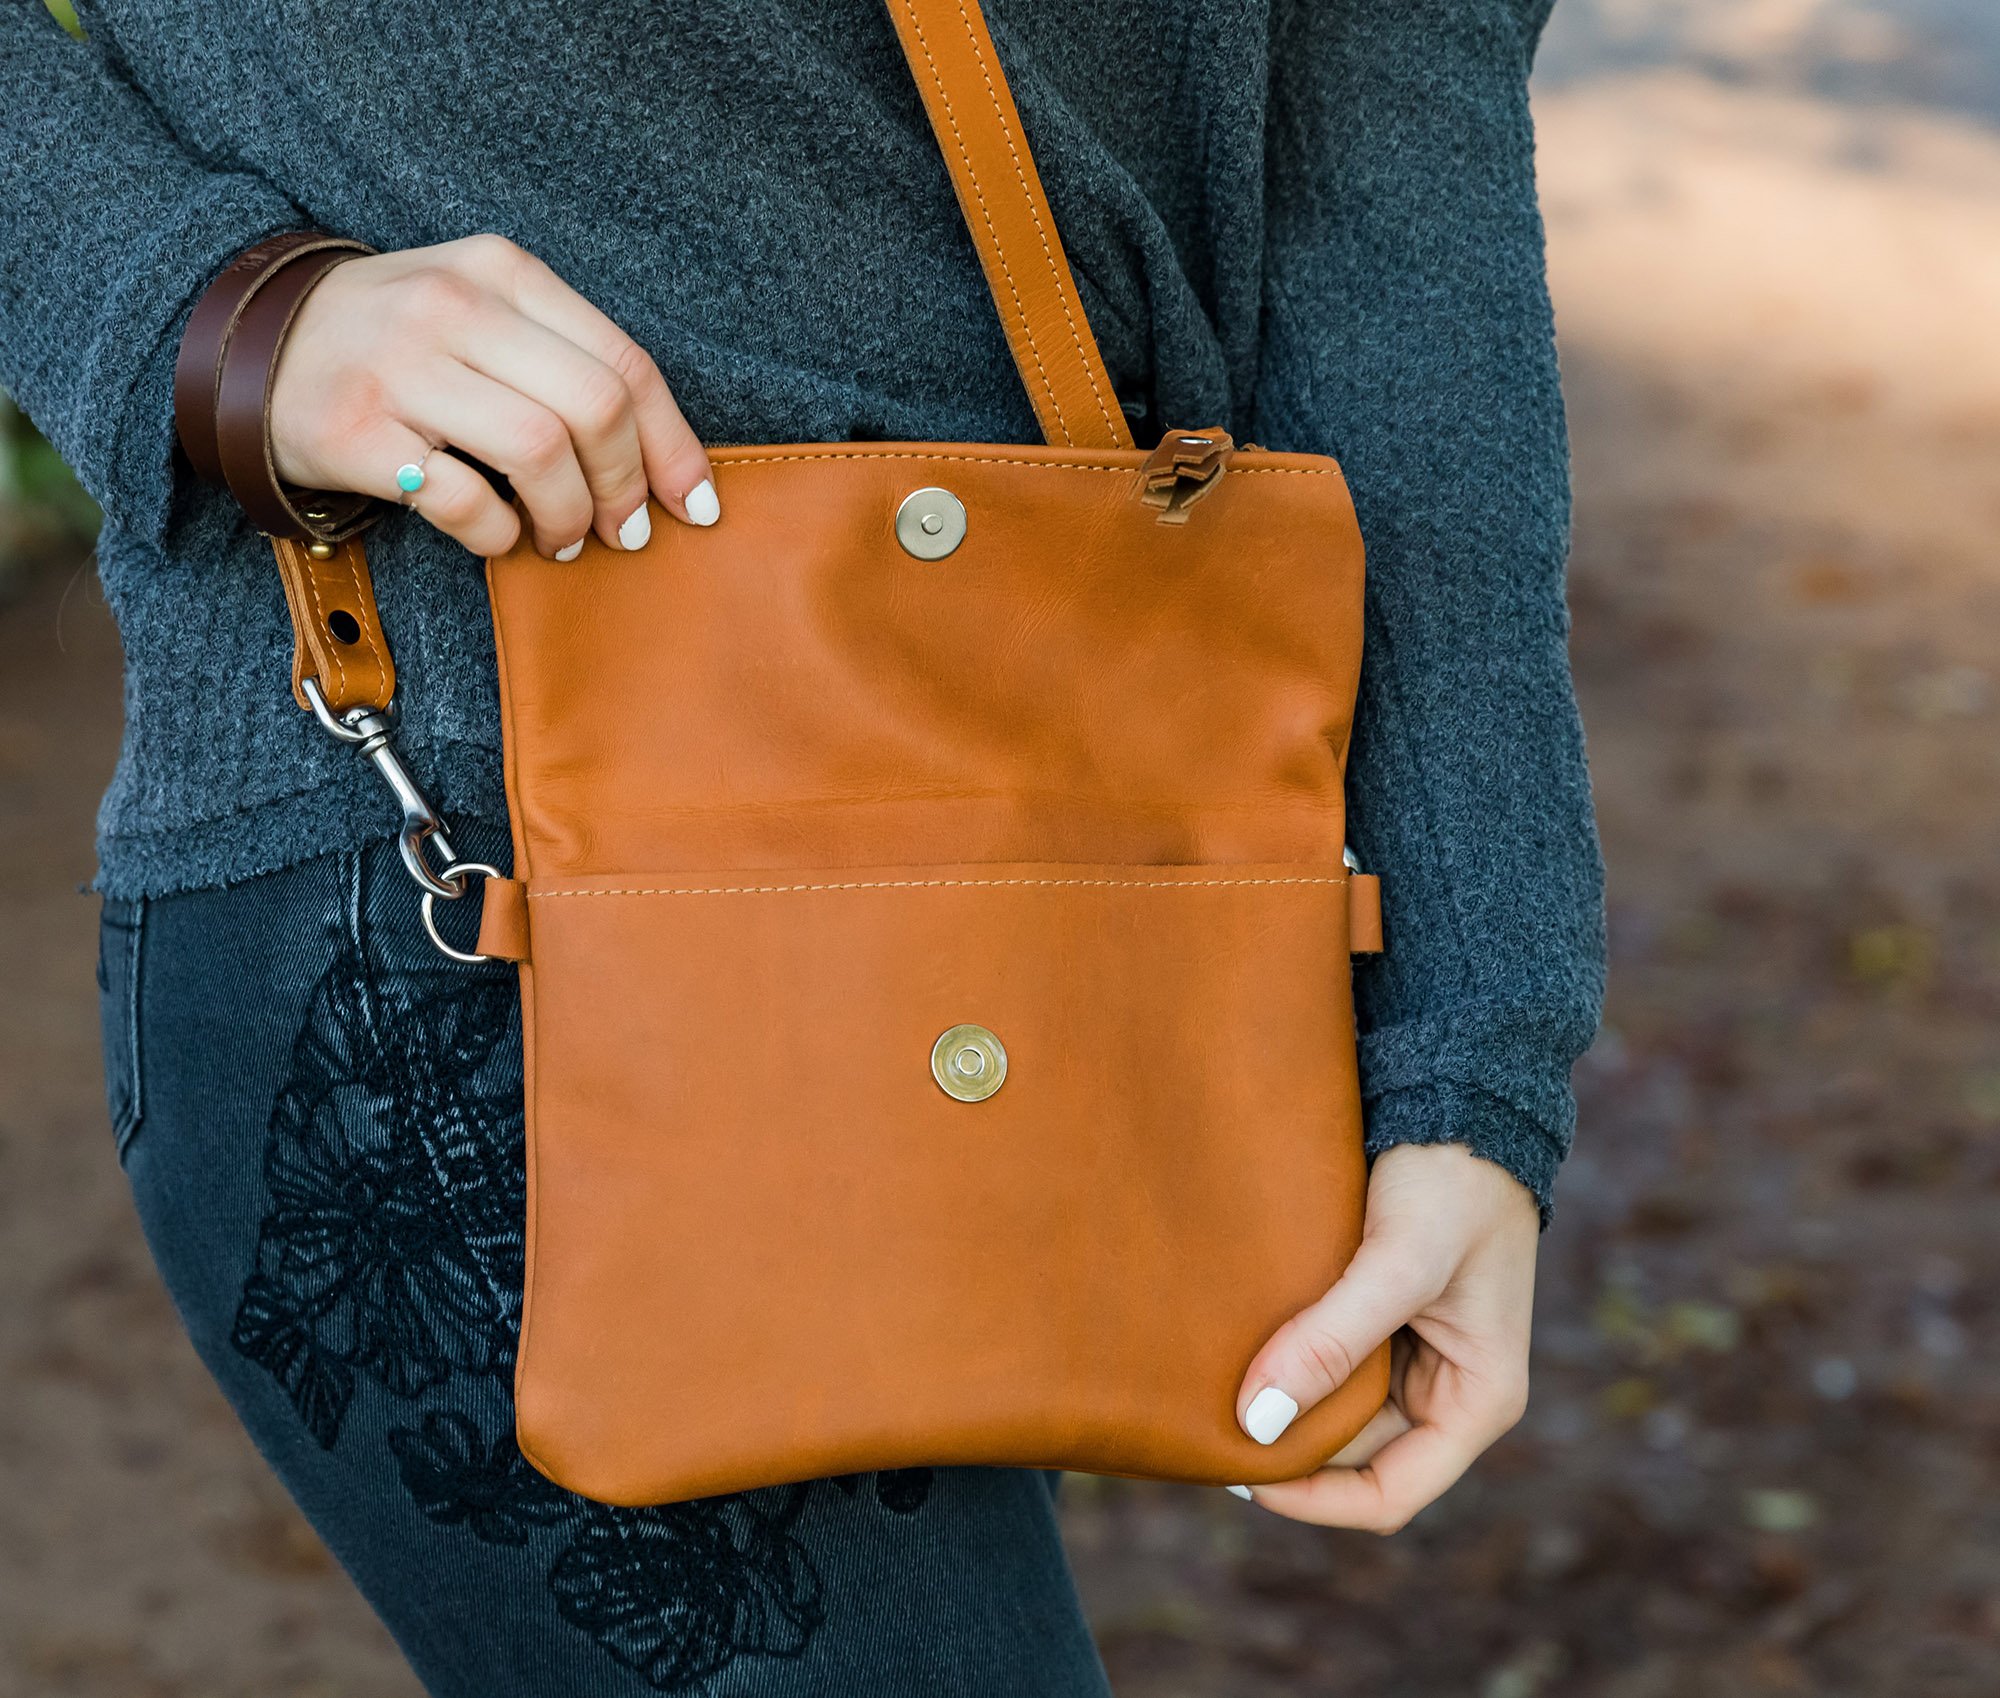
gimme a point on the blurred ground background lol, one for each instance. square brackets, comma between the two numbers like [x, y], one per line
[1765, 1439]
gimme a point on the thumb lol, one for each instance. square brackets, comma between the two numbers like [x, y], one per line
[1319, 1347]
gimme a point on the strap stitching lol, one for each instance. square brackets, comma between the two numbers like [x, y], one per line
[295, 615]
[326, 655]
[999, 251]
[943, 883]
[724, 456]
[344, 559]
[368, 614]
[1034, 212]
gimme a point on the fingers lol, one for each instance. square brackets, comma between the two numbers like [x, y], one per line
[1397, 1464]
[478, 345]
[521, 438]
[1385, 1426]
[1381, 1496]
[454, 497]
[1318, 1348]
[595, 408]
[1447, 1269]
[675, 465]
[1442, 1413]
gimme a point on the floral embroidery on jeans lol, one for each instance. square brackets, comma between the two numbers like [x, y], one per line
[391, 1253]
[392, 1246]
[458, 1477]
[678, 1592]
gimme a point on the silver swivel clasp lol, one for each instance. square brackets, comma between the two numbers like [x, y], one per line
[369, 731]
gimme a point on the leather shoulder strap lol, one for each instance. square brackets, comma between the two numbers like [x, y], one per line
[1000, 192]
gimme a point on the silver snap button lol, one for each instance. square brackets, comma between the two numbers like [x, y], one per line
[930, 523]
[969, 1063]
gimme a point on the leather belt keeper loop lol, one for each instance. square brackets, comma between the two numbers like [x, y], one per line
[242, 412]
[1364, 914]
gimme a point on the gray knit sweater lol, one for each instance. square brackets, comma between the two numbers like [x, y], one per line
[1313, 221]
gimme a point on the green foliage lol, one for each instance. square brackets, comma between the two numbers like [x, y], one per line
[41, 504]
[41, 507]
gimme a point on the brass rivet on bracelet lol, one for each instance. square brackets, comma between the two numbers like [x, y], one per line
[320, 550]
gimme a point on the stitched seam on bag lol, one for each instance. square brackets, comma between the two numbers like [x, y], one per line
[722, 455]
[942, 884]
[1034, 212]
[999, 252]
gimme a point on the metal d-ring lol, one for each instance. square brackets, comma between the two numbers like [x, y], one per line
[458, 872]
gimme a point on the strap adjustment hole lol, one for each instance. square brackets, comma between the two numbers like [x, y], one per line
[343, 626]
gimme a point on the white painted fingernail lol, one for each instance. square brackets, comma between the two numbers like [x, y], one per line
[637, 531]
[701, 504]
[1269, 1414]
[571, 552]
[1242, 1492]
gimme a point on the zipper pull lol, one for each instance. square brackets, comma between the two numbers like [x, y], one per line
[1185, 467]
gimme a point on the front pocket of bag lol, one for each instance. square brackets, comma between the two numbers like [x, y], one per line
[765, 1243]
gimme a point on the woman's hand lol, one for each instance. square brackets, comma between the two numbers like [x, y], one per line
[1449, 1254]
[477, 345]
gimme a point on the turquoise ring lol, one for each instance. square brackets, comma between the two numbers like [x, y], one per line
[410, 477]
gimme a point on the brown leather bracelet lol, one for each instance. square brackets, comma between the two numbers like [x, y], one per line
[242, 411]
[198, 366]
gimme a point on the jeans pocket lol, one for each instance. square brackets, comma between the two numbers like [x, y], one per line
[120, 936]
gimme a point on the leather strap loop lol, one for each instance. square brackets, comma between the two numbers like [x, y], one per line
[212, 330]
[336, 626]
[1364, 914]
[242, 410]
[503, 920]
[198, 366]
[978, 130]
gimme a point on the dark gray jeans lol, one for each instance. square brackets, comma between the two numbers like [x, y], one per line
[321, 1121]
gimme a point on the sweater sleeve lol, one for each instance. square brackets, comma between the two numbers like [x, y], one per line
[1408, 332]
[109, 231]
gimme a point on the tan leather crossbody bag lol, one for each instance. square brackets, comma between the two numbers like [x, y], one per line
[933, 925]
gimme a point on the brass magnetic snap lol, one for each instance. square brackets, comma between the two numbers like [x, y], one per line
[969, 1063]
[930, 523]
